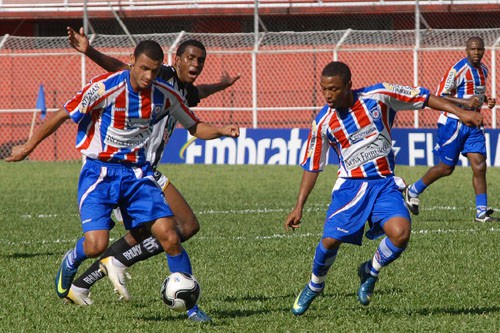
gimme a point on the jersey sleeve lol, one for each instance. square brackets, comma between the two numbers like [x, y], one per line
[87, 100]
[448, 84]
[316, 150]
[399, 97]
[181, 112]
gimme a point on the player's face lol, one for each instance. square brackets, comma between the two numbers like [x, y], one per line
[190, 64]
[475, 52]
[337, 93]
[143, 71]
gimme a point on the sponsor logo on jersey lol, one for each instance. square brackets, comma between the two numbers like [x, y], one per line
[91, 96]
[403, 90]
[362, 133]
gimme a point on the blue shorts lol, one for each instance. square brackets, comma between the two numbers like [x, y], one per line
[105, 186]
[454, 138]
[355, 201]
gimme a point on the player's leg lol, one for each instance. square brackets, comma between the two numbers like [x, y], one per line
[165, 231]
[139, 245]
[450, 143]
[394, 219]
[90, 245]
[341, 226]
[475, 150]
[324, 257]
[95, 211]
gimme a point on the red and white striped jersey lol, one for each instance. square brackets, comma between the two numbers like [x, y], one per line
[463, 80]
[115, 122]
[361, 134]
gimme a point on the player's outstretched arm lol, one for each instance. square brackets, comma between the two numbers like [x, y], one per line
[205, 90]
[52, 123]
[208, 132]
[471, 103]
[80, 42]
[469, 118]
[306, 186]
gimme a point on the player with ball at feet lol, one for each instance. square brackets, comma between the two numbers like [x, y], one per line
[116, 113]
[357, 125]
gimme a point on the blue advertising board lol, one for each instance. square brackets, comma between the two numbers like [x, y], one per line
[286, 146]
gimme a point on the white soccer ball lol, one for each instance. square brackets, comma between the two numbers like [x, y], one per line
[180, 291]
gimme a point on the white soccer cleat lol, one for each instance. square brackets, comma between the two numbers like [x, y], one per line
[412, 203]
[78, 296]
[117, 275]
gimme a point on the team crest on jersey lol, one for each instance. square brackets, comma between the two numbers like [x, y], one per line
[375, 113]
[92, 95]
[156, 110]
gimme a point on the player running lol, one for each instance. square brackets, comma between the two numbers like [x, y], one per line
[357, 124]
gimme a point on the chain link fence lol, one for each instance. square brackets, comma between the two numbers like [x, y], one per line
[279, 69]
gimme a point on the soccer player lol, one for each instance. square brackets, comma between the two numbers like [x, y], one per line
[465, 85]
[189, 63]
[357, 125]
[115, 113]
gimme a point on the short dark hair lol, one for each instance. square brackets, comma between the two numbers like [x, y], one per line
[337, 68]
[190, 42]
[476, 39]
[150, 48]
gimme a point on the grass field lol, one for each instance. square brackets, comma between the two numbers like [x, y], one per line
[250, 270]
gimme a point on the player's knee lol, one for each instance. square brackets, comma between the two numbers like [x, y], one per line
[446, 169]
[94, 248]
[190, 228]
[169, 239]
[479, 168]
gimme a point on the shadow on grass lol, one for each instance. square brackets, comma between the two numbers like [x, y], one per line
[27, 255]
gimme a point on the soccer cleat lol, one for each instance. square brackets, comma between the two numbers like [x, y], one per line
[78, 296]
[200, 317]
[304, 300]
[64, 277]
[486, 217]
[368, 281]
[411, 203]
[117, 275]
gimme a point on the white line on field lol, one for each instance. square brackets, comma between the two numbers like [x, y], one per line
[317, 208]
[258, 238]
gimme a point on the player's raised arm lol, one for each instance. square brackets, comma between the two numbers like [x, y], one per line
[20, 152]
[205, 90]
[80, 42]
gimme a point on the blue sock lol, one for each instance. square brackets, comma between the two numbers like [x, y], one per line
[180, 263]
[385, 254]
[77, 256]
[323, 260]
[481, 204]
[417, 188]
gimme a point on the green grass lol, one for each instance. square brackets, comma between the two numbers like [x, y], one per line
[250, 270]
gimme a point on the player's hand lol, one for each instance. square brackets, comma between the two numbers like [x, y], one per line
[491, 102]
[231, 131]
[292, 221]
[473, 103]
[18, 153]
[78, 40]
[228, 80]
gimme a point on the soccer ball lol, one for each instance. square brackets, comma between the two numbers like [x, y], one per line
[180, 291]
